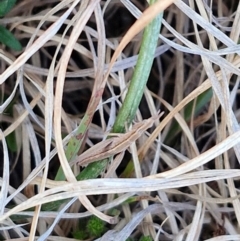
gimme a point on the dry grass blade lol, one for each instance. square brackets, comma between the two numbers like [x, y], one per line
[57, 107]
[151, 12]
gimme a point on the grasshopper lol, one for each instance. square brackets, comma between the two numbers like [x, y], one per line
[115, 145]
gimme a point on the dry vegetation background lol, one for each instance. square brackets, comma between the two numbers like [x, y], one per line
[190, 185]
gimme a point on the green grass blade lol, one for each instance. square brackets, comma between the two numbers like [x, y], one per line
[201, 102]
[130, 104]
[7, 38]
[6, 6]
